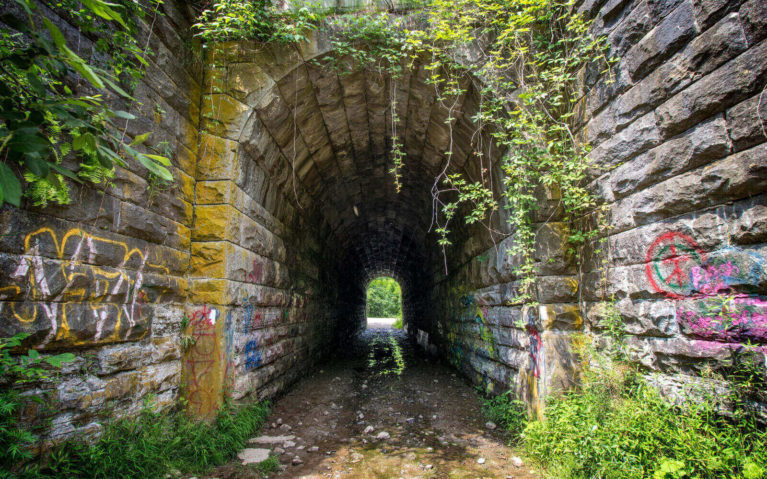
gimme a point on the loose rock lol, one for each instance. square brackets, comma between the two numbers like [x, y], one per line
[253, 456]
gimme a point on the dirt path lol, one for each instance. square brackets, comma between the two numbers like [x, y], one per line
[382, 410]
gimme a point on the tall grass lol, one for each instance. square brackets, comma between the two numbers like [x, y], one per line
[152, 445]
[618, 426]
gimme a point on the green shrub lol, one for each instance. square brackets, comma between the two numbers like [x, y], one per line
[618, 426]
[153, 444]
[397, 324]
[507, 412]
[16, 373]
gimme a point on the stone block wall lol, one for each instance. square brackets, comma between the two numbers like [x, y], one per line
[679, 155]
[680, 138]
[105, 277]
[239, 278]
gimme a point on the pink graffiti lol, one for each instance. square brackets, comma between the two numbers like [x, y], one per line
[536, 345]
[732, 319]
[711, 279]
[256, 275]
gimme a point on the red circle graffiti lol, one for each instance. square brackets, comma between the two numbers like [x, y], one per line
[668, 262]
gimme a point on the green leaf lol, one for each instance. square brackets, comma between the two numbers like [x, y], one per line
[154, 168]
[117, 88]
[66, 172]
[163, 160]
[104, 10]
[58, 360]
[28, 140]
[141, 59]
[37, 165]
[85, 142]
[140, 139]
[26, 5]
[124, 115]
[83, 69]
[58, 37]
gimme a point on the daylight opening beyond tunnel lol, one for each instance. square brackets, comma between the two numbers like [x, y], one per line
[383, 307]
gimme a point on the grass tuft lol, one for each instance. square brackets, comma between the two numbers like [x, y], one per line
[152, 445]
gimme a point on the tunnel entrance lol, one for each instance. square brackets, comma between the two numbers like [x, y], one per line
[384, 303]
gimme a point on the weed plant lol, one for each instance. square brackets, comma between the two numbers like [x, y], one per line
[618, 426]
[152, 445]
[507, 412]
[268, 466]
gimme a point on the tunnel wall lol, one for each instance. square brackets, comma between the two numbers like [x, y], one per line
[105, 277]
[679, 155]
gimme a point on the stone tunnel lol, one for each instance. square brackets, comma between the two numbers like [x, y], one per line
[284, 208]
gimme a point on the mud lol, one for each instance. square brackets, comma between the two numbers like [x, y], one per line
[383, 409]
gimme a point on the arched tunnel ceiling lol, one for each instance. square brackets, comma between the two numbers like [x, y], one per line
[334, 148]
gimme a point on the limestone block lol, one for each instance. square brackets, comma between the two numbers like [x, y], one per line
[701, 144]
[750, 226]
[733, 82]
[732, 178]
[746, 122]
[130, 356]
[556, 289]
[661, 41]
[707, 12]
[754, 17]
[638, 137]
[223, 116]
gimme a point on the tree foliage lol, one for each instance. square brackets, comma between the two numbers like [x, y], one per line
[384, 298]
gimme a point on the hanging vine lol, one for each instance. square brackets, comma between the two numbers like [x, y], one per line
[522, 56]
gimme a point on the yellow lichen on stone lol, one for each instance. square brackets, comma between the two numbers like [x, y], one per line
[214, 192]
[217, 158]
[212, 222]
[209, 259]
[223, 115]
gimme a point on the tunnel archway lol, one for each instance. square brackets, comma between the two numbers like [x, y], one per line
[291, 143]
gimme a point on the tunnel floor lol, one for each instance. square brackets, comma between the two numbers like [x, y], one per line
[431, 416]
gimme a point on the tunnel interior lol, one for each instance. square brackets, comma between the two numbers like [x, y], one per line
[314, 147]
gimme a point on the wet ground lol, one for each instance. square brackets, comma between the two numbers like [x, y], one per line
[382, 409]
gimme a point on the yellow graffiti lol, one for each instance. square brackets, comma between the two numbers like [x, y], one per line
[53, 288]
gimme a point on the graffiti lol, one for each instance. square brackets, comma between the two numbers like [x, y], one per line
[734, 318]
[230, 367]
[713, 309]
[253, 319]
[256, 275]
[669, 261]
[72, 300]
[536, 347]
[252, 355]
[200, 363]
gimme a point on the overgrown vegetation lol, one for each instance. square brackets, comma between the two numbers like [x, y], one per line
[618, 426]
[384, 298]
[152, 445]
[16, 373]
[506, 412]
[57, 121]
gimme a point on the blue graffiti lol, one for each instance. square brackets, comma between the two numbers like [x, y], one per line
[252, 355]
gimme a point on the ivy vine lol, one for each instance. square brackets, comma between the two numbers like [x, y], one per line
[56, 118]
[526, 56]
